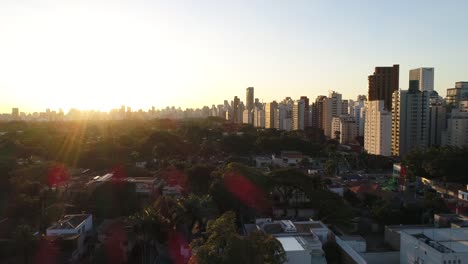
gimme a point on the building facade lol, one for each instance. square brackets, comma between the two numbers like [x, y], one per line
[377, 129]
[383, 83]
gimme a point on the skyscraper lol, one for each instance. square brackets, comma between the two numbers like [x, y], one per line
[249, 98]
[298, 115]
[424, 78]
[437, 119]
[377, 129]
[270, 110]
[410, 120]
[15, 113]
[332, 108]
[383, 83]
[236, 112]
[318, 111]
[307, 122]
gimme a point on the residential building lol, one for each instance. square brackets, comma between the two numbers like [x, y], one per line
[424, 78]
[377, 129]
[298, 115]
[457, 129]
[270, 110]
[434, 246]
[307, 116]
[359, 114]
[332, 108]
[249, 98]
[455, 95]
[301, 240]
[344, 107]
[437, 119]
[410, 120]
[15, 113]
[383, 83]
[318, 111]
[345, 129]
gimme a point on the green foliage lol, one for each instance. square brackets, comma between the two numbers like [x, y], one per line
[444, 163]
[224, 245]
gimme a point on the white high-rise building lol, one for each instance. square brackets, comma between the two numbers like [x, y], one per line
[359, 113]
[424, 78]
[410, 121]
[377, 129]
[344, 127]
[332, 108]
[457, 129]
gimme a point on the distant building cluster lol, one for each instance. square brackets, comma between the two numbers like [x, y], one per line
[390, 120]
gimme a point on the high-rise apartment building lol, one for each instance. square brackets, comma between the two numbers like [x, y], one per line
[359, 113]
[236, 112]
[457, 129]
[249, 98]
[424, 78]
[270, 110]
[344, 107]
[318, 111]
[457, 94]
[410, 120]
[383, 83]
[307, 118]
[298, 115]
[437, 119]
[15, 113]
[344, 129]
[332, 108]
[378, 129]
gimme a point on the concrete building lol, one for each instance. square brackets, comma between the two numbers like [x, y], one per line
[258, 117]
[344, 107]
[307, 115]
[318, 111]
[424, 78]
[457, 94]
[249, 98]
[437, 119]
[15, 113]
[434, 246]
[298, 115]
[270, 110]
[410, 120]
[359, 113]
[332, 108]
[247, 117]
[383, 83]
[285, 115]
[378, 129]
[301, 240]
[344, 127]
[457, 130]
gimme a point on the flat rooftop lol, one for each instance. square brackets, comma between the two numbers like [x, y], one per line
[445, 240]
[290, 244]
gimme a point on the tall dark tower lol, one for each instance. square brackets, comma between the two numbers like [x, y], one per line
[383, 83]
[249, 100]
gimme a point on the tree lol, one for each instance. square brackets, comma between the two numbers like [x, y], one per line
[24, 241]
[199, 178]
[224, 245]
[330, 167]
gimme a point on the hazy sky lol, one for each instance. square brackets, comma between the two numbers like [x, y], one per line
[102, 54]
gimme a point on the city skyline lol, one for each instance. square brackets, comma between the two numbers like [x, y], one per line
[100, 55]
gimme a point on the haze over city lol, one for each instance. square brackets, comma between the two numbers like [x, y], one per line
[103, 54]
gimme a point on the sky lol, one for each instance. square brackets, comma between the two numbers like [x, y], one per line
[100, 54]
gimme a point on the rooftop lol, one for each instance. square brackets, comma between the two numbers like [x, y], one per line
[444, 240]
[290, 243]
[70, 221]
